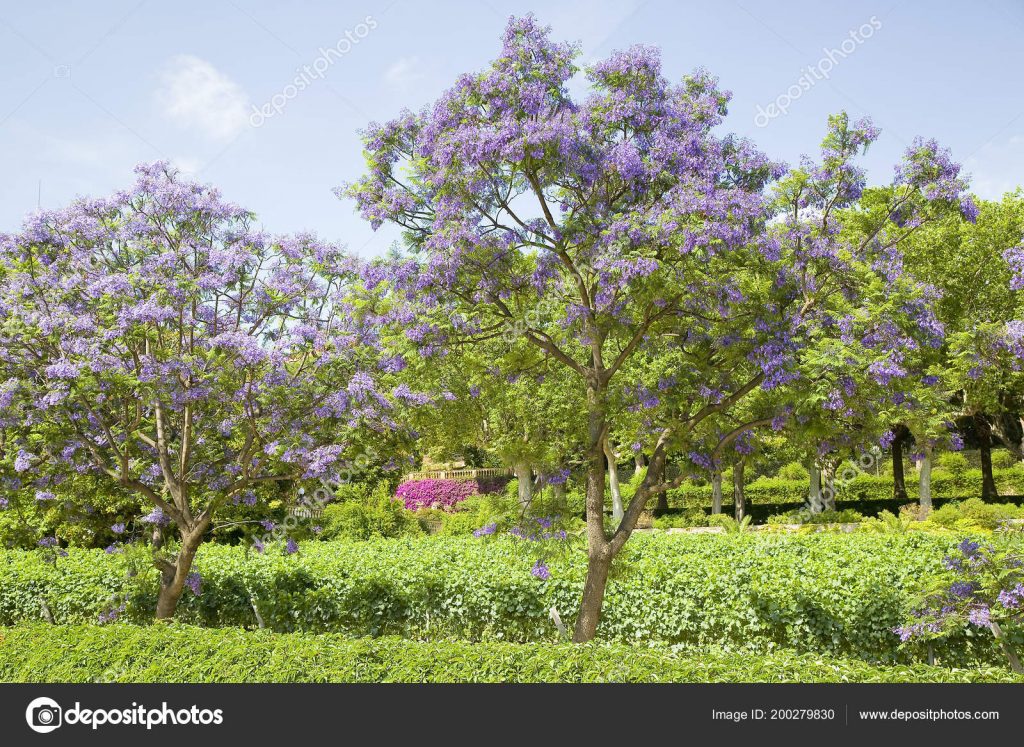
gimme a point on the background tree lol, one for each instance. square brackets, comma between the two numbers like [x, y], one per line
[154, 340]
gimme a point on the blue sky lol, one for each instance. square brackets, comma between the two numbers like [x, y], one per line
[89, 89]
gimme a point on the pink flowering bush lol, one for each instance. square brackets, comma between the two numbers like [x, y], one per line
[441, 494]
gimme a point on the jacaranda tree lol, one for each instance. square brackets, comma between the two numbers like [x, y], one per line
[623, 223]
[154, 338]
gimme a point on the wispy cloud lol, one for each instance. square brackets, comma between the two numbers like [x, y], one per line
[405, 73]
[197, 96]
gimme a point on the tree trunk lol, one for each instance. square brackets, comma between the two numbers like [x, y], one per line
[659, 477]
[613, 482]
[925, 492]
[558, 491]
[984, 434]
[828, 491]
[638, 461]
[598, 550]
[173, 575]
[814, 497]
[524, 479]
[1008, 650]
[739, 498]
[899, 480]
[716, 492]
[598, 566]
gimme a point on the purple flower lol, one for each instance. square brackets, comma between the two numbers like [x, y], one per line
[486, 530]
[969, 548]
[117, 528]
[962, 589]
[291, 547]
[540, 570]
[157, 517]
[258, 546]
[268, 525]
[194, 581]
[979, 616]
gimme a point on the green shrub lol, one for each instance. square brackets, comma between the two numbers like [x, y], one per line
[794, 471]
[952, 461]
[975, 513]
[377, 515]
[125, 653]
[1003, 459]
[687, 519]
[835, 594]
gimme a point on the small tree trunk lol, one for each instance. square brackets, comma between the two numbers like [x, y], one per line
[1008, 651]
[172, 577]
[558, 491]
[598, 566]
[899, 481]
[716, 492]
[984, 434]
[613, 481]
[638, 461]
[659, 477]
[739, 498]
[828, 490]
[524, 480]
[925, 492]
[814, 497]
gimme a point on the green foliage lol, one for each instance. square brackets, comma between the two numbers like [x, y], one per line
[805, 516]
[693, 517]
[375, 516]
[125, 653]
[729, 523]
[794, 471]
[825, 593]
[1003, 459]
[975, 514]
[952, 461]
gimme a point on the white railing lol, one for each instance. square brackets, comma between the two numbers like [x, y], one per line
[458, 474]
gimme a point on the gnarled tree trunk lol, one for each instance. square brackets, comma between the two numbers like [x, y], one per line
[174, 574]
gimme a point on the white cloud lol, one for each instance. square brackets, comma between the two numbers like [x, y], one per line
[405, 73]
[195, 95]
[997, 167]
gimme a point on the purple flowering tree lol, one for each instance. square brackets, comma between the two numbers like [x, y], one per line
[651, 256]
[158, 341]
[982, 587]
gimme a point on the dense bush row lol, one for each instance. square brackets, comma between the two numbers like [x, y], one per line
[175, 653]
[834, 594]
[865, 493]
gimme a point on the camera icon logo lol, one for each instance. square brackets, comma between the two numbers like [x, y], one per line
[43, 715]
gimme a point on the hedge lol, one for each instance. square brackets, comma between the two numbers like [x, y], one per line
[867, 494]
[836, 594]
[177, 653]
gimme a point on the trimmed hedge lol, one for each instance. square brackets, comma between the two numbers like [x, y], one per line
[838, 594]
[176, 653]
[865, 493]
